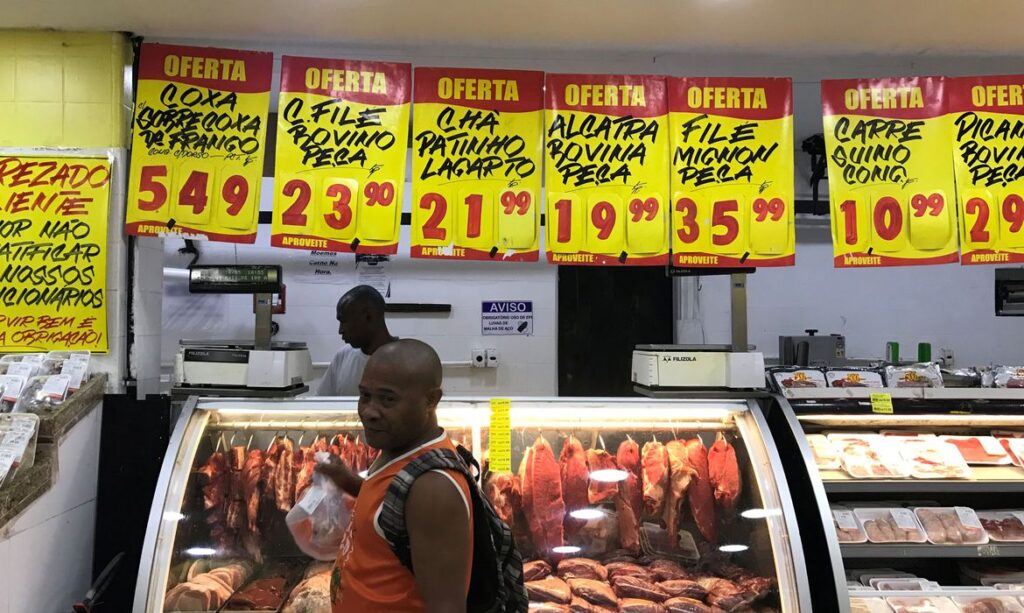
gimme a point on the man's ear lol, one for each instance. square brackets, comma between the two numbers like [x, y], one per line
[434, 397]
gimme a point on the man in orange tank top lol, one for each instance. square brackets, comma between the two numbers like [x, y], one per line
[398, 397]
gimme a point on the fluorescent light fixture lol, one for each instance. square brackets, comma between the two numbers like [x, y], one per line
[173, 516]
[200, 552]
[566, 549]
[587, 514]
[760, 513]
[733, 548]
[609, 475]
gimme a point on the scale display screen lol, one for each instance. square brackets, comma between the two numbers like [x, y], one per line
[242, 279]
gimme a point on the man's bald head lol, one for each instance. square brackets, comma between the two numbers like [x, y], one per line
[415, 360]
[360, 315]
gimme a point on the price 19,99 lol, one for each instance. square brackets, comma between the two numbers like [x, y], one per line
[607, 224]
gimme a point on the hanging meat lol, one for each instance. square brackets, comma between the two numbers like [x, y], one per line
[270, 460]
[216, 472]
[320, 444]
[701, 498]
[599, 491]
[284, 476]
[680, 476]
[236, 511]
[251, 475]
[572, 465]
[655, 477]
[304, 479]
[628, 456]
[628, 506]
[542, 496]
[725, 475]
[505, 494]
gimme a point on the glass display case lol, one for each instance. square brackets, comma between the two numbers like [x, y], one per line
[676, 503]
[926, 496]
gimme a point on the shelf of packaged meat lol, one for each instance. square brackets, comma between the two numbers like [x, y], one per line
[621, 504]
[916, 393]
[927, 550]
[995, 479]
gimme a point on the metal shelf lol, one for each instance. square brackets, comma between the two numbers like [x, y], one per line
[918, 393]
[927, 550]
[922, 486]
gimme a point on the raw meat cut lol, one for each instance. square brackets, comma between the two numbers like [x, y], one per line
[655, 477]
[548, 607]
[503, 491]
[284, 476]
[594, 592]
[549, 589]
[724, 593]
[1002, 526]
[686, 605]
[270, 461]
[701, 498]
[304, 479]
[236, 511]
[581, 568]
[667, 570]
[537, 569]
[573, 468]
[628, 569]
[683, 588]
[599, 491]
[725, 475]
[580, 605]
[251, 475]
[680, 476]
[633, 587]
[628, 456]
[313, 595]
[216, 472]
[320, 444]
[639, 605]
[628, 502]
[542, 496]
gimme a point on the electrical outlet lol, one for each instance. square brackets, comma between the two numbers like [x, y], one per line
[492, 357]
[478, 358]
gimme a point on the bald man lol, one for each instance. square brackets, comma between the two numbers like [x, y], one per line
[361, 324]
[398, 397]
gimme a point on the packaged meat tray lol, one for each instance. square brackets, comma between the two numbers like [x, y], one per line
[980, 449]
[951, 525]
[989, 604]
[789, 378]
[1003, 526]
[848, 529]
[826, 456]
[933, 459]
[915, 375]
[890, 525]
[989, 573]
[1008, 376]
[853, 378]
[1014, 448]
[266, 592]
[43, 395]
[869, 605]
[865, 576]
[922, 604]
[903, 585]
[869, 457]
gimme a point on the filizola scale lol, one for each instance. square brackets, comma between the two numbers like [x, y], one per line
[259, 367]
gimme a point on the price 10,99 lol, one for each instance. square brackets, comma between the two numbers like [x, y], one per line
[884, 223]
[195, 197]
[607, 224]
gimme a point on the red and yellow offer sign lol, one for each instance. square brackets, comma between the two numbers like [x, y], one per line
[988, 125]
[339, 174]
[197, 143]
[477, 164]
[732, 172]
[53, 221]
[890, 182]
[607, 170]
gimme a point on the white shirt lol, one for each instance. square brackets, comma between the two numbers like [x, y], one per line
[343, 375]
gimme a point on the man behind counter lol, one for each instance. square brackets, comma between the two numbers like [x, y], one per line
[398, 397]
[361, 325]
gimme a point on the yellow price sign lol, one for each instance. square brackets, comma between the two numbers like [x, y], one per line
[198, 139]
[881, 403]
[606, 160]
[500, 435]
[54, 230]
[477, 164]
[732, 172]
[986, 113]
[339, 170]
[891, 185]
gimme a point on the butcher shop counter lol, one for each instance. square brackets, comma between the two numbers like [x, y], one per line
[931, 490]
[631, 505]
[49, 509]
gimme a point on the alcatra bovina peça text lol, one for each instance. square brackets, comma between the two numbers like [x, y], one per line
[204, 68]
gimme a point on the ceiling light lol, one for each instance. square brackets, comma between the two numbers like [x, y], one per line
[566, 549]
[587, 514]
[609, 475]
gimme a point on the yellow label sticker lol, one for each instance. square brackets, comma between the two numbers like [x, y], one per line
[500, 435]
[881, 403]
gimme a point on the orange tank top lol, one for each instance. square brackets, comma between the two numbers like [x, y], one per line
[367, 577]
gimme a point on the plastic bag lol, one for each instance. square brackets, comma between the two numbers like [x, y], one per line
[319, 519]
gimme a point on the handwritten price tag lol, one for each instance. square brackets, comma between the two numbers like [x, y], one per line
[477, 164]
[881, 403]
[340, 159]
[606, 153]
[732, 168]
[197, 142]
[500, 435]
[890, 186]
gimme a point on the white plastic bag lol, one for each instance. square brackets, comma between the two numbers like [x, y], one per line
[319, 519]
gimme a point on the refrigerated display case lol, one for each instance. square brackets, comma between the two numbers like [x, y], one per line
[926, 497]
[738, 544]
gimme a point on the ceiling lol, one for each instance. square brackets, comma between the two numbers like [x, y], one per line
[905, 27]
